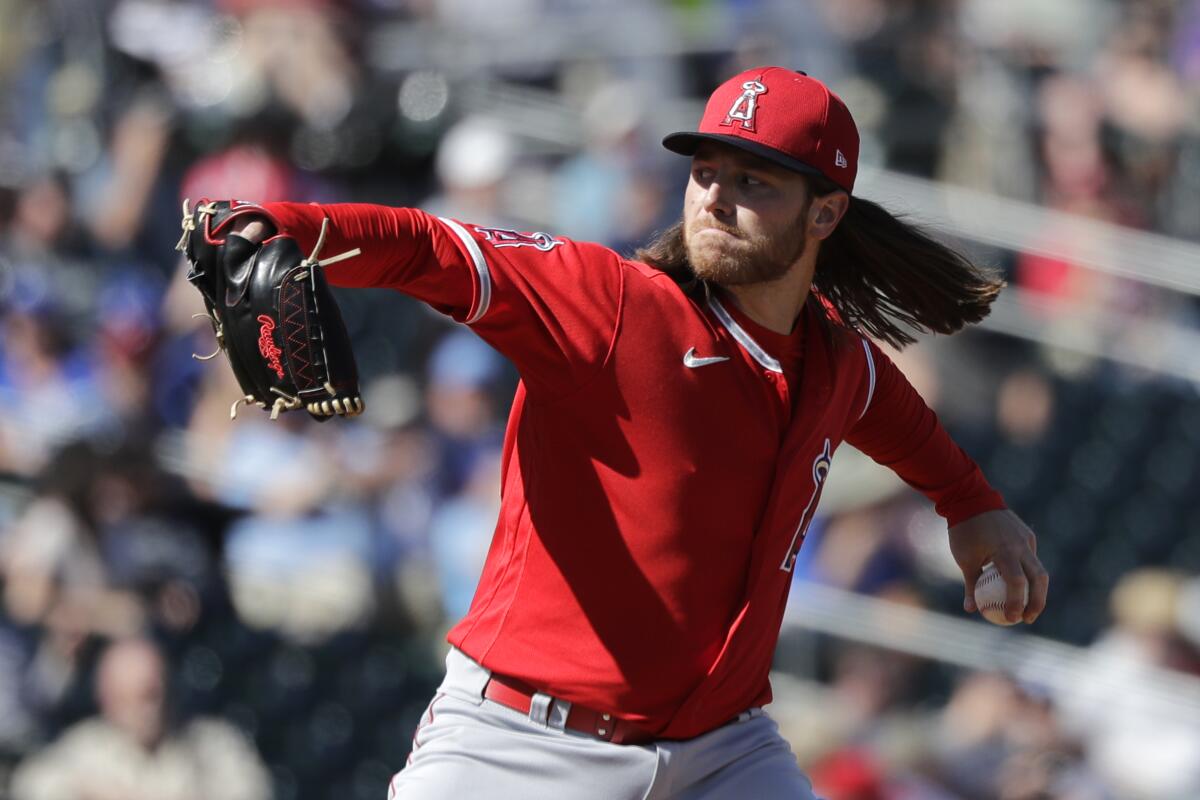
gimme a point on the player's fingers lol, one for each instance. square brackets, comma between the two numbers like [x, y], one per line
[1016, 585]
[970, 577]
[1039, 586]
[252, 227]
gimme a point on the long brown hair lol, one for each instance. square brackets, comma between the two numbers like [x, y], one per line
[884, 276]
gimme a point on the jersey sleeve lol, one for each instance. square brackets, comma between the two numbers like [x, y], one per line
[898, 430]
[549, 304]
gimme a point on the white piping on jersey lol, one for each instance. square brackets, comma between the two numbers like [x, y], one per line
[743, 338]
[481, 269]
[871, 377]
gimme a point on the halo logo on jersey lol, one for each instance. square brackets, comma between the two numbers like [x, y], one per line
[746, 106]
[503, 237]
[820, 469]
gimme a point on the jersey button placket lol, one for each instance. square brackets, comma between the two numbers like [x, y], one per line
[783, 394]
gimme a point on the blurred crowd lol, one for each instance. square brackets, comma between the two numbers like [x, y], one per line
[182, 596]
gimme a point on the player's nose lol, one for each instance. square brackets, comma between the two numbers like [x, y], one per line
[717, 199]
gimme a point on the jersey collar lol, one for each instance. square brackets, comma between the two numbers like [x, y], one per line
[765, 359]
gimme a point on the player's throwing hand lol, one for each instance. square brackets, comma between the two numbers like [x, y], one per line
[1000, 537]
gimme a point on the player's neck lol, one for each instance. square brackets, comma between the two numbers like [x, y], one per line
[776, 305]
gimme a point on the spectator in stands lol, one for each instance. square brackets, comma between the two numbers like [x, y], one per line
[461, 531]
[594, 187]
[463, 371]
[299, 561]
[1137, 737]
[1000, 738]
[133, 751]
[56, 596]
[473, 160]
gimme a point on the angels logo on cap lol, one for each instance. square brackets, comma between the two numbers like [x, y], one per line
[744, 107]
[783, 116]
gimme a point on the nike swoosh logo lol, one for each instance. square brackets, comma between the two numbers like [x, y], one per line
[691, 360]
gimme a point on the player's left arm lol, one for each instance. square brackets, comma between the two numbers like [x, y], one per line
[549, 304]
[897, 429]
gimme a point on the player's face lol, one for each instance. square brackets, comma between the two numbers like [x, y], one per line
[743, 217]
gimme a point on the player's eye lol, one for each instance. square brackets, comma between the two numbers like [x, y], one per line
[703, 174]
[751, 180]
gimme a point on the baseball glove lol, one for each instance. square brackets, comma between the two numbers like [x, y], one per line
[273, 314]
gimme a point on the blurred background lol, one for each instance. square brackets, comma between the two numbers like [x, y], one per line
[197, 609]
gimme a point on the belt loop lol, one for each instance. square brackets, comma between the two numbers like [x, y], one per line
[559, 711]
[749, 714]
[539, 708]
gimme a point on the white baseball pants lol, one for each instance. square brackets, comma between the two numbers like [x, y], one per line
[470, 747]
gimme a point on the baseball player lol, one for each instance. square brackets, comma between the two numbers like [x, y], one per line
[676, 419]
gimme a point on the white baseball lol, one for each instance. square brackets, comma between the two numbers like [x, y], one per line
[990, 594]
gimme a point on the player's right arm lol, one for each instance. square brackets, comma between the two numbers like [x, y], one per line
[549, 304]
[900, 431]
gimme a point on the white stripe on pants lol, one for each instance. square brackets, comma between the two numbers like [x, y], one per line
[469, 747]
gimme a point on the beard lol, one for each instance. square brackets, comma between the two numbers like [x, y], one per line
[737, 259]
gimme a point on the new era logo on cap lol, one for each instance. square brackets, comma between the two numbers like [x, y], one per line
[781, 115]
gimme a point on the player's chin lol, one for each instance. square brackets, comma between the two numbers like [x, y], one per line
[714, 256]
[732, 269]
[715, 267]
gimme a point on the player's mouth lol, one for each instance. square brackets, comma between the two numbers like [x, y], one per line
[719, 229]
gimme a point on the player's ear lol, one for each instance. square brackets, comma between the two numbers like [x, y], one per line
[825, 212]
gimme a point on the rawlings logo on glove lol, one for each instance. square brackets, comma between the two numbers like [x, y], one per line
[266, 345]
[247, 287]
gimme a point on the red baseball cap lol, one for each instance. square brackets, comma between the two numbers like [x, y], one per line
[783, 116]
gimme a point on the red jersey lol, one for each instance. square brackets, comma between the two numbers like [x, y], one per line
[659, 467]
